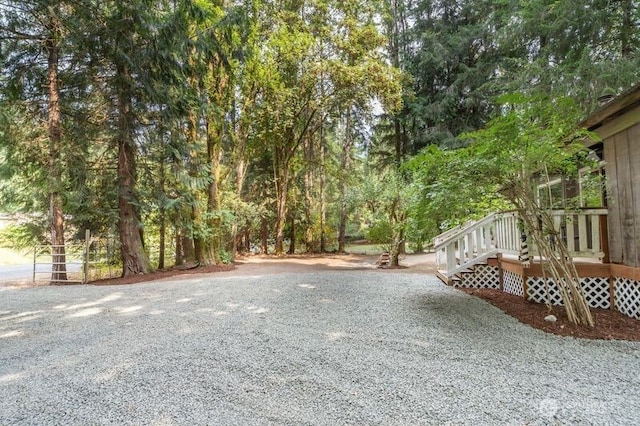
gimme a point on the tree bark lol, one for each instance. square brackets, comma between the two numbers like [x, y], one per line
[308, 197]
[162, 213]
[323, 200]
[217, 102]
[556, 259]
[628, 28]
[264, 236]
[292, 235]
[134, 258]
[345, 163]
[179, 259]
[56, 216]
[281, 170]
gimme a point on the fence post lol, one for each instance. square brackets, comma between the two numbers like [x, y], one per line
[87, 245]
[35, 255]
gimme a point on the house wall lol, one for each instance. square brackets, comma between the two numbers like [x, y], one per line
[622, 157]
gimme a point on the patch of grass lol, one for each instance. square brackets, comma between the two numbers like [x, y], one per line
[364, 249]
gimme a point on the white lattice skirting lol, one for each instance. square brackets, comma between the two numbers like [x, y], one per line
[596, 291]
[513, 283]
[627, 296]
[483, 276]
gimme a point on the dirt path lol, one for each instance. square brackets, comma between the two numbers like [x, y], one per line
[423, 263]
[411, 263]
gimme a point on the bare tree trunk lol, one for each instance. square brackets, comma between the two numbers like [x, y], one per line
[162, 213]
[628, 28]
[134, 258]
[179, 259]
[282, 190]
[56, 216]
[218, 101]
[345, 164]
[188, 248]
[264, 236]
[308, 197]
[162, 243]
[556, 260]
[292, 236]
[323, 200]
[247, 240]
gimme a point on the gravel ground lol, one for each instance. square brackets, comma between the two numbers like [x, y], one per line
[331, 347]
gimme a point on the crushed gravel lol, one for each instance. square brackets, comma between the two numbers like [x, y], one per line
[327, 348]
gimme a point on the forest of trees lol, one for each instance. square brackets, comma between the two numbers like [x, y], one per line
[221, 126]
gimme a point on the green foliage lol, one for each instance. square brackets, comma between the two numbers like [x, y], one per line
[23, 237]
[380, 232]
[532, 137]
[238, 109]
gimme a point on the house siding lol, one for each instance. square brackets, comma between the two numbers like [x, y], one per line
[622, 155]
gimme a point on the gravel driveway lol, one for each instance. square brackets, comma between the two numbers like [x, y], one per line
[329, 348]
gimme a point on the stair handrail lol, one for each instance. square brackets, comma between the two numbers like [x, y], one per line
[455, 229]
[438, 244]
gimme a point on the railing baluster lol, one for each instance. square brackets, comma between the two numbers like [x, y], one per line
[499, 233]
[451, 256]
[571, 239]
[595, 234]
[582, 233]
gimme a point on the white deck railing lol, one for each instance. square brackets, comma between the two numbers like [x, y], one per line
[461, 248]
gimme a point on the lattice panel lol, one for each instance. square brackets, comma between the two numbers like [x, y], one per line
[537, 291]
[596, 290]
[627, 294]
[513, 283]
[483, 276]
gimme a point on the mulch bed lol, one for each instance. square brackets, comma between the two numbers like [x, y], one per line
[610, 324]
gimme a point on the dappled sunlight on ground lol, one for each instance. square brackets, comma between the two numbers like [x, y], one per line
[127, 310]
[8, 378]
[13, 333]
[336, 335]
[85, 313]
[309, 286]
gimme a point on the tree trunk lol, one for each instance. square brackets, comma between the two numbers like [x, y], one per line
[323, 200]
[162, 213]
[179, 259]
[247, 240]
[628, 28]
[556, 259]
[134, 257]
[345, 163]
[282, 190]
[264, 236]
[188, 248]
[218, 101]
[239, 139]
[292, 236]
[281, 215]
[308, 197]
[56, 216]
[162, 243]
[214, 222]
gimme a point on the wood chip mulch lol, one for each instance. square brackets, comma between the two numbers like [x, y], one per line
[610, 324]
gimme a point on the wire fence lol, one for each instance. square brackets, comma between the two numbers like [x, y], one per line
[92, 260]
[60, 264]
